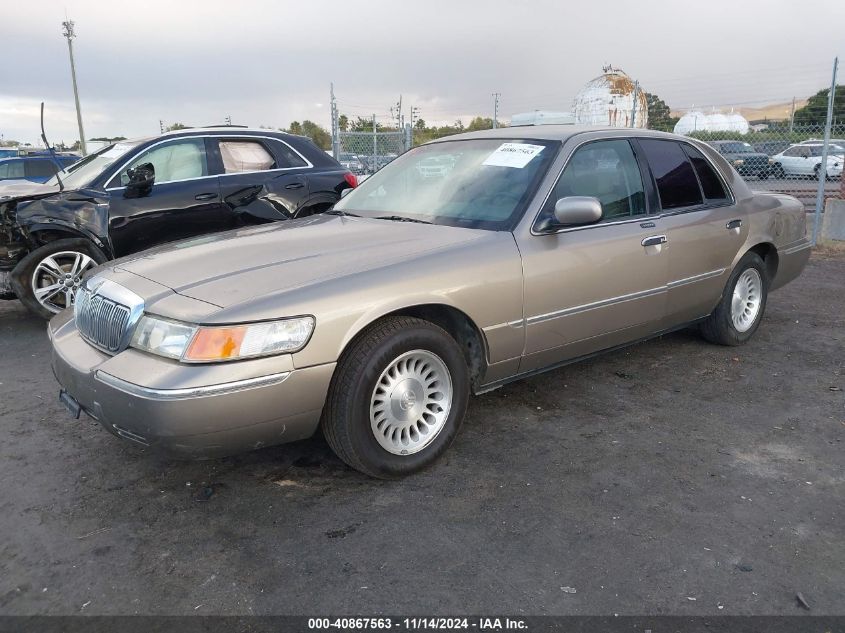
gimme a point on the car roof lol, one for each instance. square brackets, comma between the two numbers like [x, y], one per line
[555, 133]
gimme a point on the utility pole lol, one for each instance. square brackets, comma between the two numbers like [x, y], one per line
[634, 107]
[335, 124]
[823, 167]
[68, 32]
[792, 116]
[228, 119]
[496, 96]
[161, 126]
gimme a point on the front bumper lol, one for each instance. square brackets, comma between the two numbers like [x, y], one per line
[195, 411]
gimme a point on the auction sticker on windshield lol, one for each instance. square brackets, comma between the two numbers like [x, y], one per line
[516, 155]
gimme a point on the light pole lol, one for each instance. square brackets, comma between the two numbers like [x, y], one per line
[496, 96]
[67, 31]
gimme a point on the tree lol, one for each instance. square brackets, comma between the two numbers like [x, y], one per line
[295, 128]
[317, 133]
[176, 126]
[815, 112]
[109, 139]
[420, 124]
[480, 123]
[659, 114]
[343, 122]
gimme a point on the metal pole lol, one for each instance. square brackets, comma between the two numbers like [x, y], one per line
[823, 167]
[67, 31]
[335, 124]
[792, 116]
[634, 107]
[375, 144]
[496, 109]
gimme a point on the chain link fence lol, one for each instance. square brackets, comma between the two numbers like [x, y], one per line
[364, 153]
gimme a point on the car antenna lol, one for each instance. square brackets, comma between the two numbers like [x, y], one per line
[51, 150]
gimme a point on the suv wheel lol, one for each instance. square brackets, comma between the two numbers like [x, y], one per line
[398, 398]
[46, 279]
[741, 308]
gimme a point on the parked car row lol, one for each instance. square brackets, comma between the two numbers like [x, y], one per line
[802, 160]
[34, 167]
[464, 264]
[136, 194]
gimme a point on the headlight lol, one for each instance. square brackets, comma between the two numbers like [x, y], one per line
[204, 344]
[771, 161]
[738, 162]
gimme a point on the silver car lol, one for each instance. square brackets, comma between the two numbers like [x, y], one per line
[375, 321]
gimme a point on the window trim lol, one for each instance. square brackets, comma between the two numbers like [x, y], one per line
[308, 164]
[650, 186]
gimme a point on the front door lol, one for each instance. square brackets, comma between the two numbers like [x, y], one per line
[184, 201]
[593, 287]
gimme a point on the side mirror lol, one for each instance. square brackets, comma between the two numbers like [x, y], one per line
[578, 210]
[141, 181]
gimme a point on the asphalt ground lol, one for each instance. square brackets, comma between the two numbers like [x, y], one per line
[673, 477]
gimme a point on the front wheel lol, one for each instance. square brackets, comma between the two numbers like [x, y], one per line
[398, 398]
[47, 279]
[741, 307]
[777, 172]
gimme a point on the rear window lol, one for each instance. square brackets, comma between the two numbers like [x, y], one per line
[40, 168]
[11, 169]
[673, 174]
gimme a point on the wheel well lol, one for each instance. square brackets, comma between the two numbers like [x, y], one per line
[461, 328]
[45, 236]
[769, 254]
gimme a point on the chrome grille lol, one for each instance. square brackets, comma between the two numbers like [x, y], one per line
[100, 320]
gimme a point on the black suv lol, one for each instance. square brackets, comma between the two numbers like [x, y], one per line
[744, 158]
[136, 194]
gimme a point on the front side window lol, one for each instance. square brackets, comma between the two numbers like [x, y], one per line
[478, 183]
[11, 169]
[792, 151]
[179, 160]
[606, 170]
[677, 185]
[243, 156]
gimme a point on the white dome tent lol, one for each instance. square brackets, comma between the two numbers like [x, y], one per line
[697, 121]
[608, 100]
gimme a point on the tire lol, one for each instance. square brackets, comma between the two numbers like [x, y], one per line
[749, 281]
[49, 267]
[817, 172]
[365, 397]
[777, 171]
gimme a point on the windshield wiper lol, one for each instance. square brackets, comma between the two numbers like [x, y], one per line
[402, 218]
[339, 212]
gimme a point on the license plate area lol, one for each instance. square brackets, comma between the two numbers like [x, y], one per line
[73, 407]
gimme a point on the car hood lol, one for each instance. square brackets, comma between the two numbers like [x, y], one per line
[26, 190]
[234, 267]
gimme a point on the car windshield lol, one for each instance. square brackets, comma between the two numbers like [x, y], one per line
[479, 183]
[84, 171]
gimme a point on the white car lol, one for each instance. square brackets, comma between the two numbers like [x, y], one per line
[805, 160]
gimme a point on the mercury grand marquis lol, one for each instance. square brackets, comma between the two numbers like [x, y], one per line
[374, 321]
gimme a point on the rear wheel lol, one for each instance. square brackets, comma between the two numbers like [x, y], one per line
[398, 398]
[741, 308]
[777, 171]
[47, 279]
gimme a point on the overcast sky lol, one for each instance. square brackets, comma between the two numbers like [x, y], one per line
[268, 63]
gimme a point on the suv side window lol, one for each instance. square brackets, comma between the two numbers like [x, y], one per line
[711, 184]
[40, 168]
[11, 169]
[289, 157]
[676, 182]
[242, 156]
[606, 170]
[179, 160]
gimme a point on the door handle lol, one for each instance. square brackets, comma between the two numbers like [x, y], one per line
[205, 196]
[654, 240]
[733, 224]
[294, 185]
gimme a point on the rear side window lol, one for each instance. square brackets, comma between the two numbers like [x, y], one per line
[289, 158]
[11, 169]
[673, 173]
[40, 169]
[243, 156]
[711, 184]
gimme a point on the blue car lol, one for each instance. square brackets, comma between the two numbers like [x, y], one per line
[38, 168]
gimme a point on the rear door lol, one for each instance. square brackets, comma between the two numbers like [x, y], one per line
[262, 179]
[184, 201]
[704, 227]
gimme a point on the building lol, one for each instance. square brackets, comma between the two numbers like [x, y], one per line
[612, 99]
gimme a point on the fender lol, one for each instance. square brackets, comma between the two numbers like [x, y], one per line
[72, 230]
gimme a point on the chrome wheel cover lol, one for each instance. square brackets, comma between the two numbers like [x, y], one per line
[57, 277]
[411, 401]
[747, 299]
